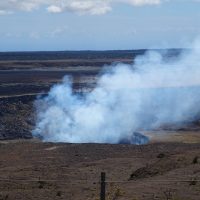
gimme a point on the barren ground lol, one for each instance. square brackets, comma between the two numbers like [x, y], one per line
[35, 170]
[167, 169]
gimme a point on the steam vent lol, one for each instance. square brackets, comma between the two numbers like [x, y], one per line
[136, 138]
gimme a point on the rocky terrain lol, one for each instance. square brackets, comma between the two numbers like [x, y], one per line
[34, 170]
[16, 117]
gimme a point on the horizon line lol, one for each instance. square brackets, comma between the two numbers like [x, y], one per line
[108, 50]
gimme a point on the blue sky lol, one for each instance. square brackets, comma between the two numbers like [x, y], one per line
[42, 25]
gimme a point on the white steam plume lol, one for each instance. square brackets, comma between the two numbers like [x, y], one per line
[127, 98]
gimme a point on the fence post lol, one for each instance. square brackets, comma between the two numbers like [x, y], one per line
[103, 186]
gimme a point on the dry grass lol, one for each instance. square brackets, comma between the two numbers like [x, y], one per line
[174, 136]
[35, 170]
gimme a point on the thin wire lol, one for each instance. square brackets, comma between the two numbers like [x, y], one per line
[78, 181]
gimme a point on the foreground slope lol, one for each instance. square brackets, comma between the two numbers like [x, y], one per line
[35, 170]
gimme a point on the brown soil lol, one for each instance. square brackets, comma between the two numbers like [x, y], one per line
[34, 170]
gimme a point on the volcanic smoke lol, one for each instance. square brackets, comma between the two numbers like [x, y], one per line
[127, 98]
